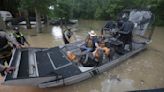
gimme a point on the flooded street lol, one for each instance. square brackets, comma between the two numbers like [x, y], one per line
[142, 71]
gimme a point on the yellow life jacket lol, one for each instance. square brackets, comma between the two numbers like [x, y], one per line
[17, 35]
[89, 43]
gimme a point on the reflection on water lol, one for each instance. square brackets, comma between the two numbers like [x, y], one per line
[143, 71]
[116, 86]
[57, 32]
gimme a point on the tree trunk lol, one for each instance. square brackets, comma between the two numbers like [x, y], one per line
[46, 21]
[38, 22]
[2, 24]
[28, 25]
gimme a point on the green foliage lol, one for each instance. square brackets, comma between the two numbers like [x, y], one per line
[91, 9]
[31, 5]
[62, 9]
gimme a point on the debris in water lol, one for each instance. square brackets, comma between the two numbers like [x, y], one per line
[115, 77]
[129, 70]
[142, 82]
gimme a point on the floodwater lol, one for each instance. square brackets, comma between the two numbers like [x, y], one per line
[142, 71]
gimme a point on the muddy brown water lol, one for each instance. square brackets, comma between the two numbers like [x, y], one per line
[142, 71]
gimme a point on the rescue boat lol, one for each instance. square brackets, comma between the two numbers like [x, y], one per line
[50, 67]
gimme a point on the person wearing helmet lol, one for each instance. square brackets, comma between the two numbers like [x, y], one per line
[20, 37]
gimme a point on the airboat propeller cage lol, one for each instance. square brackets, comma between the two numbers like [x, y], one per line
[142, 19]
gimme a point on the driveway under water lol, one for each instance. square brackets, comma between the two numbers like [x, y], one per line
[142, 71]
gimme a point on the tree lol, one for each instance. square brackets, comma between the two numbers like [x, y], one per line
[82, 9]
[40, 7]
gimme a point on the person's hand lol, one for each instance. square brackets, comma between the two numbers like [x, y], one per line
[18, 46]
[9, 69]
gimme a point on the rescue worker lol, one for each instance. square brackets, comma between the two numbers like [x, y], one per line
[67, 36]
[110, 27]
[20, 37]
[126, 34]
[6, 50]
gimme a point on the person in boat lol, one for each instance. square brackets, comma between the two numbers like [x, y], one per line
[101, 45]
[6, 50]
[125, 33]
[90, 42]
[90, 59]
[86, 60]
[67, 34]
[110, 26]
[20, 37]
[102, 52]
[99, 56]
[121, 19]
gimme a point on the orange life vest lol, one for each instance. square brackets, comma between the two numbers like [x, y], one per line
[106, 50]
[71, 56]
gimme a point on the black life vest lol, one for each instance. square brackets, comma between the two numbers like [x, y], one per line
[19, 37]
[3, 42]
[69, 34]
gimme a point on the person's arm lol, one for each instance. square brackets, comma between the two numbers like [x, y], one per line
[1, 68]
[122, 29]
[10, 38]
[95, 40]
[96, 44]
[96, 54]
[6, 69]
[26, 41]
